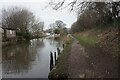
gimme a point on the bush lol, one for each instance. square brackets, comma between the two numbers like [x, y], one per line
[57, 31]
[24, 35]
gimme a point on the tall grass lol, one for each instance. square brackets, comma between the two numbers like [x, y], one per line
[87, 40]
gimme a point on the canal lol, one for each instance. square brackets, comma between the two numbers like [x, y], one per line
[29, 60]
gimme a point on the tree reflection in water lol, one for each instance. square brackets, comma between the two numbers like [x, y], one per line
[18, 59]
[29, 60]
[56, 42]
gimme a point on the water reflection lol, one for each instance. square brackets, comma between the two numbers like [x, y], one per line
[37, 43]
[56, 42]
[18, 59]
[28, 59]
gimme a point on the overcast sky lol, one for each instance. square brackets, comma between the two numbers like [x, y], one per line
[48, 15]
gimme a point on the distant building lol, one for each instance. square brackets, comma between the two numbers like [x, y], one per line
[1, 31]
[8, 33]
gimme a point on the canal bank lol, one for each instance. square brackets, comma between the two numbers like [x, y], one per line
[84, 59]
[60, 70]
[14, 41]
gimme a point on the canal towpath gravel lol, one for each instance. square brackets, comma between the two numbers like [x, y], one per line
[91, 62]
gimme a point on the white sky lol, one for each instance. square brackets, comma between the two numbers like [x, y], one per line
[47, 15]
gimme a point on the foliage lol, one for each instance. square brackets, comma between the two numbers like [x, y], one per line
[60, 24]
[64, 31]
[57, 31]
[58, 27]
[24, 35]
[22, 20]
[91, 14]
[36, 28]
[85, 40]
[97, 14]
[16, 18]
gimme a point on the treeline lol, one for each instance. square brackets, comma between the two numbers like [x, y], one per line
[58, 27]
[97, 15]
[22, 21]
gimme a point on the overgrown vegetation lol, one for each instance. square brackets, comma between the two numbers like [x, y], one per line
[57, 31]
[104, 18]
[23, 35]
[85, 40]
[97, 15]
[61, 68]
[92, 14]
[105, 39]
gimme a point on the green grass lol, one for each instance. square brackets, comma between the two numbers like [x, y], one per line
[60, 70]
[86, 40]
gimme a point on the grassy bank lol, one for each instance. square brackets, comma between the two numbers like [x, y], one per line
[60, 70]
[85, 39]
[103, 38]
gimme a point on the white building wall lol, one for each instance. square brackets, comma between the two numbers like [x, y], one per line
[10, 33]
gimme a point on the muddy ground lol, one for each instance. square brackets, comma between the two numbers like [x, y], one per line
[91, 62]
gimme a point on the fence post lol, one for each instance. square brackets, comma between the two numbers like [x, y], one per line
[63, 45]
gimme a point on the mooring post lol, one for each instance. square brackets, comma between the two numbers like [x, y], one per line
[51, 61]
[58, 50]
[55, 58]
[63, 45]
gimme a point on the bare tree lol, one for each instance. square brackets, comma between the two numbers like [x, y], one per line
[37, 28]
[16, 18]
[60, 24]
[20, 19]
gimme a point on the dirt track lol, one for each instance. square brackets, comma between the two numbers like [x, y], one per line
[91, 62]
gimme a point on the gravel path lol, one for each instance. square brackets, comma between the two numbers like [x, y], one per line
[89, 62]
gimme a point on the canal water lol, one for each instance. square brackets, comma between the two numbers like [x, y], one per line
[29, 60]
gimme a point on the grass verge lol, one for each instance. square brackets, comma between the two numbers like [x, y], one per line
[105, 39]
[60, 70]
[86, 40]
